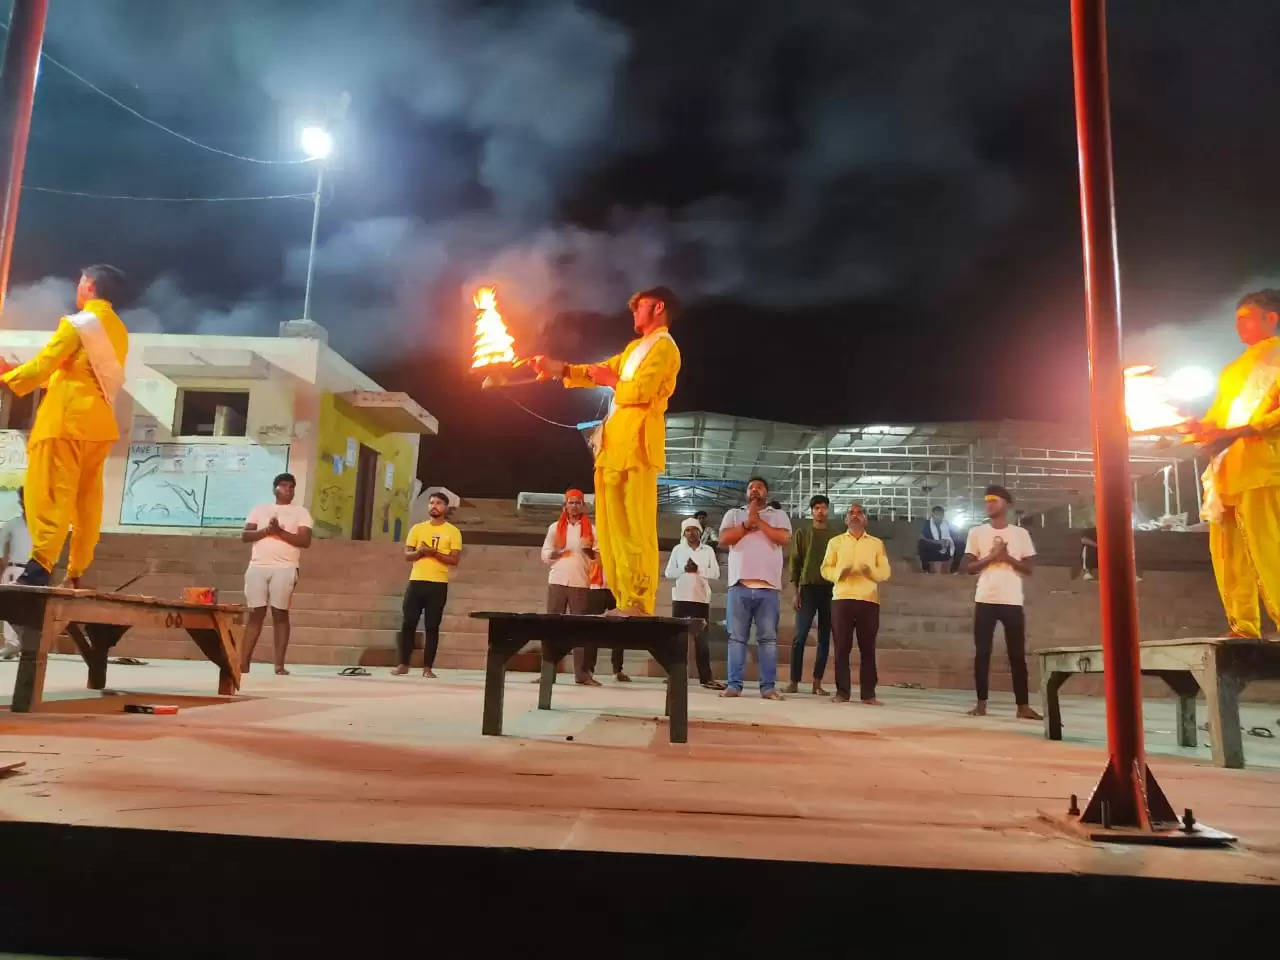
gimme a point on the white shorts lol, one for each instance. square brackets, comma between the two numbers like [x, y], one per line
[272, 586]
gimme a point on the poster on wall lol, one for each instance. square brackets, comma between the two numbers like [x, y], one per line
[198, 485]
[13, 469]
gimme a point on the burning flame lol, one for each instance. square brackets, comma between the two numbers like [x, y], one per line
[1146, 401]
[493, 343]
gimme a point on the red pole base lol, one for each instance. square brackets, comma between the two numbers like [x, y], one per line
[1129, 798]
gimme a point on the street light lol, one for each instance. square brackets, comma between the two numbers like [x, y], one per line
[317, 143]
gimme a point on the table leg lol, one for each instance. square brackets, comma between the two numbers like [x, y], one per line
[1050, 683]
[678, 690]
[547, 679]
[495, 676]
[1183, 683]
[28, 689]
[1222, 696]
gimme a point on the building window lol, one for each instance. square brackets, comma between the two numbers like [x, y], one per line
[213, 413]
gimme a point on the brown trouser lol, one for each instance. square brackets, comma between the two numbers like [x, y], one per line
[860, 617]
[562, 599]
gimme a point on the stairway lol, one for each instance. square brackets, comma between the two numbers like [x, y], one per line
[347, 607]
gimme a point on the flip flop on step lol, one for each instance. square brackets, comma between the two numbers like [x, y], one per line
[129, 662]
[354, 672]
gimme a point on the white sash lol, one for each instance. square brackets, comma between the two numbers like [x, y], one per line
[1261, 378]
[631, 365]
[102, 356]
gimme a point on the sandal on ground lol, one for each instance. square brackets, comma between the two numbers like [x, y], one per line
[714, 685]
[354, 672]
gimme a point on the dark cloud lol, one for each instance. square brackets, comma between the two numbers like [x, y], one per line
[815, 171]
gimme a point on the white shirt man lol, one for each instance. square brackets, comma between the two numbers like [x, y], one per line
[15, 550]
[692, 566]
[1002, 555]
[692, 586]
[279, 532]
[566, 548]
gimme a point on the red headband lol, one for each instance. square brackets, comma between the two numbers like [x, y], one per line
[574, 493]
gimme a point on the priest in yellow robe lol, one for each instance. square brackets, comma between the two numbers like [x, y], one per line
[1242, 482]
[630, 446]
[81, 369]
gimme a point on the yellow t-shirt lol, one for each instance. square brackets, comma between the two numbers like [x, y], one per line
[445, 538]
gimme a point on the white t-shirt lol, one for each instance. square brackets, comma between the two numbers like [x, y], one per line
[999, 583]
[272, 551]
[15, 539]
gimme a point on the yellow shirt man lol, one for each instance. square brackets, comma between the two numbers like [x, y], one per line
[632, 447]
[444, 537]
[849, 554]
[856, 563]
[82, 370]
[1242, 481]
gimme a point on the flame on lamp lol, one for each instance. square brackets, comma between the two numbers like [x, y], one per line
[1146, 401]
[493, 343]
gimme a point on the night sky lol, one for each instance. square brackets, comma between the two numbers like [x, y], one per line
[870, 208]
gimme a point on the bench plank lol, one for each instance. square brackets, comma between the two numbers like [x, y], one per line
[1221, 667]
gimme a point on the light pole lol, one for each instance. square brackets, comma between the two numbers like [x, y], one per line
[317, 142]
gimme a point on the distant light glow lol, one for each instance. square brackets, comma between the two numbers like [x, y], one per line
[1192, 383]
[959, 521]
[316, 142]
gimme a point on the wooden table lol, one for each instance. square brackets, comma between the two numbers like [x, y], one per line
[1220, 666]
[665, 638]
[97, 621]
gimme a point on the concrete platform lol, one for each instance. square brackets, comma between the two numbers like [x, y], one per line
[401, 760]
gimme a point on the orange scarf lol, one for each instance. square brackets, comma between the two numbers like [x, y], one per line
[562, 528]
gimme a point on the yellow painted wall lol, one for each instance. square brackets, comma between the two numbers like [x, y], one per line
[334, 493]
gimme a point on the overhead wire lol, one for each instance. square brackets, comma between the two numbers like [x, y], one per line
[160, 126]
[128, 196]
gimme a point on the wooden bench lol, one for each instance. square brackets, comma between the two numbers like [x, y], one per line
[97, 621]
[665, 638]
[1220, 666]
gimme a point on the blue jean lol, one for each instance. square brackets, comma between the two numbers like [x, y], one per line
[745, 606]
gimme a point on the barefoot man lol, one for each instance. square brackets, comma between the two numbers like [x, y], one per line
[1242, 483]
[631, 451]
[82, 370]
[1001, 554]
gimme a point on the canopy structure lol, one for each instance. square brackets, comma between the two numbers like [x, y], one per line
[895, 470]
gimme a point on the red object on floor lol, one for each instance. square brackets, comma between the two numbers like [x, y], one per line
[150, 708]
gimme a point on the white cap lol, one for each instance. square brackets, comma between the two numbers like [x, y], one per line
[688, 522]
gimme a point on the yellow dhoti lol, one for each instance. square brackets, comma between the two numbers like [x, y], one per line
[1245, 548]
[64, 487]
[627, 530]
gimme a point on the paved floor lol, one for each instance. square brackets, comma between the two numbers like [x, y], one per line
[401, 759]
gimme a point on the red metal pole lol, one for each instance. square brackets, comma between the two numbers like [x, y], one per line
[17, 92]
[1127, 788]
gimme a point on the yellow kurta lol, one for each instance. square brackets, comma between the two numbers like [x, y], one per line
[632, 454]
[74, 430]
[1245, 542]
[847, 551]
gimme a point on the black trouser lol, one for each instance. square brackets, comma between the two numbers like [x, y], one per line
[814, 598]
[423, 599]
[688, 610]
[932, 553]
[863, 618]
[599, 602]
[562, 599]
[985, 618]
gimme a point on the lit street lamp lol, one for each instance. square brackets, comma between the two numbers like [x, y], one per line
[317, 143]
